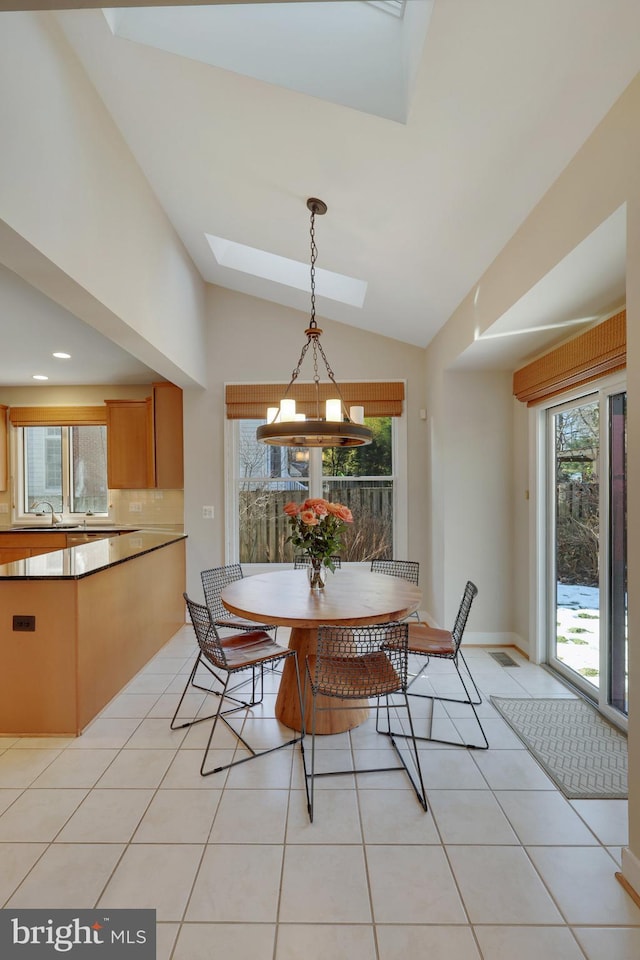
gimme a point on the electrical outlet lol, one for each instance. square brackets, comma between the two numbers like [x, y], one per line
[4, 508]
[135, 506]
[207, 513]
[24, 622]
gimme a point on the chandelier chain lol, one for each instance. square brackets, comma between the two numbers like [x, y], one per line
[314, 255]
[332, 431]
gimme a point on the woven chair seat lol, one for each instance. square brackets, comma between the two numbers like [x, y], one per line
[241, 654]
[430, 641]
[237, 623]
[351, 678]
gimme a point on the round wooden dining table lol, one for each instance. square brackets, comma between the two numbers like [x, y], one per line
[351, 597]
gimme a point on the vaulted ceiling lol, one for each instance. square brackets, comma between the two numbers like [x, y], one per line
[430, 135]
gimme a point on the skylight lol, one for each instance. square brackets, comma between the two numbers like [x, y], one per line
[394, 7]
[373, 58]
[290, 273]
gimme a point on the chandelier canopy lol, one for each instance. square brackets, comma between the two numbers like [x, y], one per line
[338, 427]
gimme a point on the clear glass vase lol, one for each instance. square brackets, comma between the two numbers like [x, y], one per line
[316, 572]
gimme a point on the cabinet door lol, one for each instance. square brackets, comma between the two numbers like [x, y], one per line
[167, 422]
[129, 444]
[19, 546]
[9, 554]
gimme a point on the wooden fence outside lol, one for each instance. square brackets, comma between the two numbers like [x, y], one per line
[264, 527]
[578, 500]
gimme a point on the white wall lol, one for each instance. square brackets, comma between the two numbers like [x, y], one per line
[79, 220]
[602, 176]
[476, 450]
[251, 340]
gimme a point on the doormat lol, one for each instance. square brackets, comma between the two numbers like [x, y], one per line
[584, 754]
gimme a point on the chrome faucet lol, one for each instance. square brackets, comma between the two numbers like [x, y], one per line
[54, 519]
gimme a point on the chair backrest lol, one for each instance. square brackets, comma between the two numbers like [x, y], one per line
[302, 560]
[469, 595]
[206, 633]
[213, 583]
[405, 569]
[357, 662]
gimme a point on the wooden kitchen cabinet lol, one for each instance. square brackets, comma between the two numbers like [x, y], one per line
[167, 436]
[19, 546]
[129, 444]
[144, 441]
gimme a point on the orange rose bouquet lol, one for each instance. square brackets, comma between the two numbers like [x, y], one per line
[317, 526]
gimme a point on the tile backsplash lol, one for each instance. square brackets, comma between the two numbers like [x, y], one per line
[157, 508]
[149, 508]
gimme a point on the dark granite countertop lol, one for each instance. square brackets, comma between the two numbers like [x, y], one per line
[72, 563]
[69, 528]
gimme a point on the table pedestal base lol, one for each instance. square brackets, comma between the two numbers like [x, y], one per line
[303, 641]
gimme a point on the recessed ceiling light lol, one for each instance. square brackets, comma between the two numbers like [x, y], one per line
[39, 376]
[62, 356]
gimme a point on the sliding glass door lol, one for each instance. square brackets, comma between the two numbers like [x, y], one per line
[587, 636]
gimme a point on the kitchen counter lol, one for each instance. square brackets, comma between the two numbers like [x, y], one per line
[64, 527]
[76, 624]
[87, 558]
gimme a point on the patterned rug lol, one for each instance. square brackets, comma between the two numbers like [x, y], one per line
[585, 756]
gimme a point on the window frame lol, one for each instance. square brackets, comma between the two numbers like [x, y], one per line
[21, 511]
[541, 586]
[400, 486]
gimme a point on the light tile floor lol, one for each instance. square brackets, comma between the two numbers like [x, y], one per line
[500, 867]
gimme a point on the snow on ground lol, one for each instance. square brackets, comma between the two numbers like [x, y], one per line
[578, 621]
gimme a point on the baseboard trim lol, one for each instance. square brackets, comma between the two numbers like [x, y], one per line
[478, 639]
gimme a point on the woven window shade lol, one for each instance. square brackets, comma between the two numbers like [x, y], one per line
[598, 351]
[249, 401]
[57, 416]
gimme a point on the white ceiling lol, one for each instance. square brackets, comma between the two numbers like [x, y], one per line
[494, 98]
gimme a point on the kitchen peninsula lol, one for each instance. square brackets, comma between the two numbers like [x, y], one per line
[77, 624]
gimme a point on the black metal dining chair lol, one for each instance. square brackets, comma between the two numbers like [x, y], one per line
[214, 580]
[429, 642]
[352, 664]
[225, 657]
[404, 569]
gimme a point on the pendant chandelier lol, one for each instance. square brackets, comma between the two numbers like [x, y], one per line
[338, 427]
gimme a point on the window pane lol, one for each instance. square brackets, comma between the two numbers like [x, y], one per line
[263, 460]
[372, 460]
[577, 525]
[263, 525]
[371, 503]
[88, 454]
[267, 477]
[43, 466]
